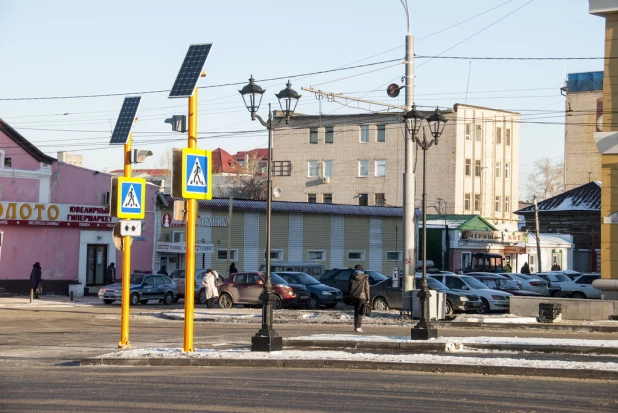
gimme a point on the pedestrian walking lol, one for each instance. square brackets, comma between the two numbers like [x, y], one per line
[525, 269]
[163, 270]
[359, 291]
[211, 290]
[35, 279]
[555, 267]
[233, 269]
[111, 274]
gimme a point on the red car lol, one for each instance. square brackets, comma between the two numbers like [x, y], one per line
[246, 287]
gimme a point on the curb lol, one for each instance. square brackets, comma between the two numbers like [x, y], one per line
[355, 365]
[540, 326]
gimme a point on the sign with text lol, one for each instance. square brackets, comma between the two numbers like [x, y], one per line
[181, 247]
[494, 236]
[55, 215]
[167, 220]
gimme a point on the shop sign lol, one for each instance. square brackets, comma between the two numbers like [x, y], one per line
[55, 215]
[213, 221]
[514, 250]
[181, 247]
[494, 236]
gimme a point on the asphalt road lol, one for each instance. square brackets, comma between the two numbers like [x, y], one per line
[40, 349]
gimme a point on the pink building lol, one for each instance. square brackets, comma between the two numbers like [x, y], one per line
[58, 214]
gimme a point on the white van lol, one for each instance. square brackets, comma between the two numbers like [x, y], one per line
[312, 268]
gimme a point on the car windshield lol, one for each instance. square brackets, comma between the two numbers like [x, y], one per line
[435, 284]
[137, 278]
[507, 285]
[526, 277]
[178, 274]
[304, 278]
[376, 277]
[474, 283]
[560, 277]
[275, 279]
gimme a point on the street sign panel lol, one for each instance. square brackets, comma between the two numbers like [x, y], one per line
[131, 198]
[196, 174]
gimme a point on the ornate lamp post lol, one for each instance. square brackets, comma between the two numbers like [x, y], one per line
[267, 339]
[436, 121]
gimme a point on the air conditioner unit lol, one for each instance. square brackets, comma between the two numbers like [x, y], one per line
[177, 236]
[104, 198]
[326, 180]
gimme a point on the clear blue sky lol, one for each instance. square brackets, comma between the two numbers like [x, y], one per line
[66, 48]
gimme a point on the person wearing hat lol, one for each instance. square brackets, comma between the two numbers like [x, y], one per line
[359, 292]
[35, 278]
[111, 274]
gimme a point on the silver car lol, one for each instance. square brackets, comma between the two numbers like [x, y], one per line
[528, 282]
[178, 276]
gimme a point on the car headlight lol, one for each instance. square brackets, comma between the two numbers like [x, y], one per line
[291, 293]
[464, 299]
[498, 297]
[326, 293]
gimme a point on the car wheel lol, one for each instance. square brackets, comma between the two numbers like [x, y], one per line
[202, 296]
[134, 299]
[168, 299]
[142, 302]
[314, 302]
[277, 303]
[449, 308]
[380, 304]
[108, 301]
[577, 294]
[485, 308]
[225, 301]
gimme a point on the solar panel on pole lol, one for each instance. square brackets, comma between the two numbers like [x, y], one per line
[190, 70]
[125, 120]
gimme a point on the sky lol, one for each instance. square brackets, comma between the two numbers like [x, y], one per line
[74, 48]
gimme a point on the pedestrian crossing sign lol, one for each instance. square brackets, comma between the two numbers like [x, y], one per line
[196, 174]
[131, 198]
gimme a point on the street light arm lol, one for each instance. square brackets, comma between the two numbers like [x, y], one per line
[267, 123]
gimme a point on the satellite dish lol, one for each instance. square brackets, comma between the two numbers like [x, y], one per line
[393, 90]
[277, 192]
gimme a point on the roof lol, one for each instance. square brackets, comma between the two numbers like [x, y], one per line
[457, 105]
[583, 198]
[25, 144]
[584, 82]
[223, 162]
[260, 153]
[150, 172]
[462, 222]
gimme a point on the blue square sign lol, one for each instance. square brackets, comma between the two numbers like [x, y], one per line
[131, 198]
[196, 174]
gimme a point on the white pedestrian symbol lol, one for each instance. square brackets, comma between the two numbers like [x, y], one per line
[197, 176]
[131, 201]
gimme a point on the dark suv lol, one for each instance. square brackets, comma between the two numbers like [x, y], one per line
[340, 277]
[245, 288]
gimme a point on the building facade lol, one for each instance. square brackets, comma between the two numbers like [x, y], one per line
[360, 159]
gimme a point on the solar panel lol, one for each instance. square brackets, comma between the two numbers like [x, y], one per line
[190, 70]
[125, 120]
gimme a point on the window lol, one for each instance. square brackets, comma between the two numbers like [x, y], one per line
[477, 202]
[381, 133]
[311, 198]
[363, 168]
[356, 255]
[328, 169]
[478, 133]
[316, 255]
[330, 135]
[222, 255]
[468, 167]
[327, 198]
[498, 202]
[498, 136]
[363, 199]
[467, 202]
[393, 255]
[507, 206]
[477, 168]
[468, 131]
[507, 137]
[313, 135]
[7, 162]
[380, 199]
[364, 136]
[313, 169]
[465, 259]
[282, 168]
[507, 170]
[380, 168]
[275, 255]
[498, 169]
[454, 283]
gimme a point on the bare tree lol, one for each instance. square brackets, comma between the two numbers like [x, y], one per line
[251, 181]
[546, 180]
[164, 161]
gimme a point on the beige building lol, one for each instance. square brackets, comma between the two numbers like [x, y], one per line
[71, 159]
[360, 159]
[584, 107]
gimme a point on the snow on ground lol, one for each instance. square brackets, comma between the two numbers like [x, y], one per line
[361, 357]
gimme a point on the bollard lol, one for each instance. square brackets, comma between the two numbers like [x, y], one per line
[31, 295]
[71, 296]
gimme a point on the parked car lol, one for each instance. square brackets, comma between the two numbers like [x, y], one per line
[384, 296]
[501, 283]
[144, 287]
[245, 288]
[178, 276]
[554, 280]
[581, 287]
[528, 282]
[340, 277]
[572, 274]
[314, 269]
[493, 300]
[321, 294]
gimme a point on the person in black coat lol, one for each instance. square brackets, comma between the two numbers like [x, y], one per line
[35, 278]
[163, 270]
[525, 269]
[233, 269]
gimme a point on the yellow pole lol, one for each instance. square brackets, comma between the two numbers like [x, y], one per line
[191, 222]
[126, 261]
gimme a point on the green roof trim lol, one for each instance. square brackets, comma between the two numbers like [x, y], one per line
[461, 222]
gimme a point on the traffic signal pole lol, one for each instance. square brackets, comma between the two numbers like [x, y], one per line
[191, 229]
[126, 261]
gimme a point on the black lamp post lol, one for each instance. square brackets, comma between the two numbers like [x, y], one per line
[267, 339]
[436, 121]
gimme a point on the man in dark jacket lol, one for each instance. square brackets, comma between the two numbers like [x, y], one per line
[359, 291]
[233, 269]
[163, 270]
[35, 278]
[555, 267]
[111, 274]
[525, 269]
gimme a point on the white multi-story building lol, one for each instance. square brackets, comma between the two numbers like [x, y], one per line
[348, 159]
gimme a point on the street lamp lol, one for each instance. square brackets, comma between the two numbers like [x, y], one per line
[267, 339]
[436, 121]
